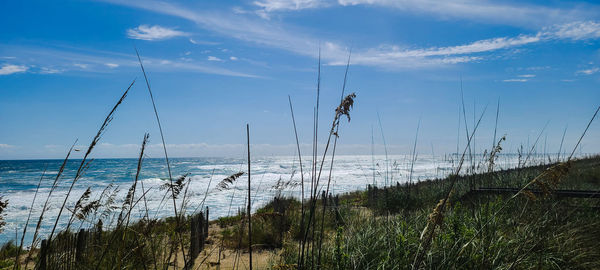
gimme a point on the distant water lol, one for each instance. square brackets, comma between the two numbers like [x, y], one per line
[19, 179]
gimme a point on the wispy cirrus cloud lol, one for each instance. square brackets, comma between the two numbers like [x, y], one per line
[202, 42]
[276, 5]
[49, 70]
[214, 58]
[8, 69]
[578, 30]
[80, 65]
[521, 78]
[589, 71]
[525, 15]
[296, 40]
[47, 60]
[515, 80]
[518, 14]
[155, 32]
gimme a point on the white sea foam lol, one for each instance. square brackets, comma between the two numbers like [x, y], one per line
[349, 173]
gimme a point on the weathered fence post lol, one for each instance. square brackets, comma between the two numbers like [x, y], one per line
[43, 254]
[338, 217]
[375, 195]
[98, 233]
[369, 196]
[194, 249]
[72, 250]
[80, 248]
[197, 235]
[201, 234]
[206, 224]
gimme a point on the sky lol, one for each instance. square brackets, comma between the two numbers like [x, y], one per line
[215, 66]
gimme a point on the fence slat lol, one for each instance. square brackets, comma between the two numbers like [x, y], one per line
[206, 224]
[43, 255]
[81, 240]
[202, 236]
[193, 237]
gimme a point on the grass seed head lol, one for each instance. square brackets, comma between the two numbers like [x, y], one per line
[224, 184]
[345, 106]
[549, 180]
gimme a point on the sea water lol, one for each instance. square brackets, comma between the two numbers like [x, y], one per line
[19, 180]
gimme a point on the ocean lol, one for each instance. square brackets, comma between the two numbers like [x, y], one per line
[19, 180]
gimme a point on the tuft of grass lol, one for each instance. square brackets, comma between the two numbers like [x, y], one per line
[3, 205]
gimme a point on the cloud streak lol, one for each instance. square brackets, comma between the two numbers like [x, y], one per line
[589, 71]
[291, 39]
[515, 80]
[8, 69]
[82, 60]
[156, 32]
[202, 42]
[277, 5]
[489, 12]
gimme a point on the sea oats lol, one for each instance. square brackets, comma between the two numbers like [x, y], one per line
[224, 184]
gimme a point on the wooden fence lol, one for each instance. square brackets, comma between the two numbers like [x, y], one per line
[591, 194]
[198, 233]
[70, 251]
[67, 250]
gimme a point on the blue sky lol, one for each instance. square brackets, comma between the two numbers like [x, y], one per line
[216, 65]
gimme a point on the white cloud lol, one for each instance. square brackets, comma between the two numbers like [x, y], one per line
[233, 58]
[214, 58]
[7, 69]
[79, 65]
[3, 145]
[55, 146]
[521, 78]
[202, 42]
[47, 70]
[155, 32]
[276, 5]
[479, 46]
[295, 40]
[576, 30]
[589, 71]
[536, 68]
[63, 60]
[526, 15]
[396, 56]
[111, 65]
